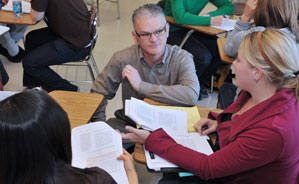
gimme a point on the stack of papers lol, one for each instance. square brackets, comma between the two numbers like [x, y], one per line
[152, 118]
[98, 145]
[192, 140]
[26, 7]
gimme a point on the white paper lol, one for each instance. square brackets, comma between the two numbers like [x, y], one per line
[3, 29]
[98, 145]
[6, 94]
[193, 141]
[26, 7]
[227, 24]
[151, 118]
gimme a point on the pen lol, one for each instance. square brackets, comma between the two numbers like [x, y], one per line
[224, 16]
[152, 155]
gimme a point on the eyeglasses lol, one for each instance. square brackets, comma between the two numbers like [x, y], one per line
[158, 33]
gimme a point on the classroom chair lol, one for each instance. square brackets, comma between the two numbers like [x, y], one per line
[89, 60]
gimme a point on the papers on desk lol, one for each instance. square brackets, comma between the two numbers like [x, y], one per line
[26, 7]
[227, 24]
[6, 94]
[3, 29]
[152, 118]
[192, 140]
[98, 145]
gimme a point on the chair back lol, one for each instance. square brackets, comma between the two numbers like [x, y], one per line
[93, 27]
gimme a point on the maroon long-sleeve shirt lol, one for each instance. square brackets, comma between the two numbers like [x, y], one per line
[259, 146]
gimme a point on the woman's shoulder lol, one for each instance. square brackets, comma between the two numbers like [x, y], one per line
[98, 176]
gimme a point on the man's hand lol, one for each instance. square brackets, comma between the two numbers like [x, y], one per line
[133, 76]
[138, 136]
[249, 11]
[206, 126]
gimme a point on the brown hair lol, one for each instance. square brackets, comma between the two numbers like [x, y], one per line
[280, 50]
[277, 14]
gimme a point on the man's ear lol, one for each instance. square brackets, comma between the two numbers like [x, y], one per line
[167, 29]
[134, 37]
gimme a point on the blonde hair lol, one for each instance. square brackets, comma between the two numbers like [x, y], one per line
[277, 14]
[279, 49]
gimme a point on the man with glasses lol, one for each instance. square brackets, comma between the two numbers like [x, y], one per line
[150, 68]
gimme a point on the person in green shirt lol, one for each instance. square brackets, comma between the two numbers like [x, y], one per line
[203, 47]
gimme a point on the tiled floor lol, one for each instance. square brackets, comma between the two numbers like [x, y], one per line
[114, 35]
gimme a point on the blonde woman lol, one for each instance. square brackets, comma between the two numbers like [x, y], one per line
[258, 133]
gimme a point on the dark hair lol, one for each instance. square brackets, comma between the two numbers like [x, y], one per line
[277, 14]
[35, 141]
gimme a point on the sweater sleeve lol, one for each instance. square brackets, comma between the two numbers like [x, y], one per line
[235, 38]
[183, 16]
[250, 150]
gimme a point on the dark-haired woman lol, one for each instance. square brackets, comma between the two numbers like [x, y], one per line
[35, 141]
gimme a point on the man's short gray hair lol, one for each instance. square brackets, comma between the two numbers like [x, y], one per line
[147, 11]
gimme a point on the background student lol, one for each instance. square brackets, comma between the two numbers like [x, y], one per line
[258, 133]
[280, 14]
[35, 139]
[203, 47]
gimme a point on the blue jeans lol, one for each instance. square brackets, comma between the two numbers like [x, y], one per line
[42, 49]
[204, 50]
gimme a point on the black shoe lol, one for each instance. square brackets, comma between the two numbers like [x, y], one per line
[15, 59]
[203, 92]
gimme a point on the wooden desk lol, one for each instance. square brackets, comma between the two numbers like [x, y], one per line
[139, 154]
[203, 29]
[9, 18]
[79, 106]
[223, 56]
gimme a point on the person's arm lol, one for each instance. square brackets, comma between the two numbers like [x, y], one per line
[36, 15]
[129, 167]
[107, 83]
[242, 28]
[250, 150]
[182, 16]
[185, 92]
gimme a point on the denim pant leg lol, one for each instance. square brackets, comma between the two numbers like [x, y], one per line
[210, 42]
[201, 54]
[51, 52]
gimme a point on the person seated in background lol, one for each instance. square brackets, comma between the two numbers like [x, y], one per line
[36, 148]
[3, 76]
[203, 47]
[150, 68]
[65, 39]
[8, 43]
[280, 14]
[258, 133]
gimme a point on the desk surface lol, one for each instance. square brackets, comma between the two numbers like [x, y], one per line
[139, 155]
[203, 29]
[79, 106]
[223, 56]
[9, 18]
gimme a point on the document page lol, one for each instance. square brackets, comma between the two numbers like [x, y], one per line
[6, 94]
[192, 140]
[98, 145]
[227, 24]
[193, 115]
[26, 6]
[151, 118]
[3, 29]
